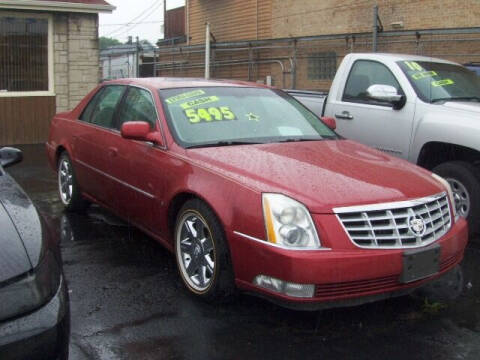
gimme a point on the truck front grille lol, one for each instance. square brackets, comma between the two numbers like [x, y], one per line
[404, 224]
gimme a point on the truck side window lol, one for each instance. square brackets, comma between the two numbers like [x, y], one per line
[365, 73]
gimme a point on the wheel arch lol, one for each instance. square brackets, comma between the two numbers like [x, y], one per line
[434, 153]
[176, 203]
[58, 152]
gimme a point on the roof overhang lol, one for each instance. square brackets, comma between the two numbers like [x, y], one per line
[55, 6]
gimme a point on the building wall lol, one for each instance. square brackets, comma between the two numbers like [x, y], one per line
[234, 20]
[76, 59]
[25, 118]
[291, 18]
[229, 19]
[119, 66]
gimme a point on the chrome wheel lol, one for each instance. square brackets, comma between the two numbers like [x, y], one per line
[65, 181]
[195, 251]
[461, 196]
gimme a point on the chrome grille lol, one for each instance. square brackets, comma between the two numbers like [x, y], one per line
[389, 226]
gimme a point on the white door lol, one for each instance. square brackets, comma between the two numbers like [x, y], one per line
[368, 121]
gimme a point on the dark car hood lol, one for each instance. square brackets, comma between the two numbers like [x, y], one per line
[21, 230]
[321, 174]
[13, 257]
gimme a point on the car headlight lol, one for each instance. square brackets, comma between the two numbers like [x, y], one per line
[32, 290]
[288, 222]
[447, 186]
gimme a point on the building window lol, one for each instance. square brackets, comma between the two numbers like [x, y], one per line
[322, 66]
[24, 53]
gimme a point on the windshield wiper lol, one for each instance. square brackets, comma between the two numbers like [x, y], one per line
[460, 98]
[223, 143]
[294, 139]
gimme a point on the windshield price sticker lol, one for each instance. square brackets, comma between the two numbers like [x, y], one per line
[183, 96]
[423, 75]
[414, 66]
[201, 101]
[196, 116]
[443, 82]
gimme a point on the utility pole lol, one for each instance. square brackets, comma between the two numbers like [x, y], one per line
[375, 28]
[137, 55]
[207, 51]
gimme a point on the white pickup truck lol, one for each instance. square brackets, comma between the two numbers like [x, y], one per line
[421, 109]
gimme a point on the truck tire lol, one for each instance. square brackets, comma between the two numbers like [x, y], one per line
[464, 179]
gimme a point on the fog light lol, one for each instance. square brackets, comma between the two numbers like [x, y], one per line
[285, 287]
[299, 290]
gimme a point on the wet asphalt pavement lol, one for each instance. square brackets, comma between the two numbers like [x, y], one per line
[127, 302]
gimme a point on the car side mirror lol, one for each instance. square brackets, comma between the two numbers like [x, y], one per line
[140, 130]
[387, 94]
[10, 156]
[329, 121]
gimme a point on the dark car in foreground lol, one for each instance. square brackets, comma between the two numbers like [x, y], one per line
[252, 191]
[34, 308]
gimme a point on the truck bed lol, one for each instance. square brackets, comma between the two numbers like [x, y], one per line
[313, 100]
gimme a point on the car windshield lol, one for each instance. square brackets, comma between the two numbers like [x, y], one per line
[438, 82]
[218, 116]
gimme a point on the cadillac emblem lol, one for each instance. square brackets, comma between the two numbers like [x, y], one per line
[417, 225]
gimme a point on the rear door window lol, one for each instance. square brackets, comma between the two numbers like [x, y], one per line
[105, 106]
[87, 112]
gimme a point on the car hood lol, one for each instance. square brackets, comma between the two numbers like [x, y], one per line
[13, 257]
[321, 174]
[21, 232]
[467, 106]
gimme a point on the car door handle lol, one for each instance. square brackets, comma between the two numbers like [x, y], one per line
[345, 115]
[112, 151]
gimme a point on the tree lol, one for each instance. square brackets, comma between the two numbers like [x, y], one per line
[105, 42]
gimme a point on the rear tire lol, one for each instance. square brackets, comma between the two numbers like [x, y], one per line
[464, 179]
[68, 188]
[202, 254]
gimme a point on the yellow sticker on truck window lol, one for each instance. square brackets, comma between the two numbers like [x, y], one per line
[209, 114]
[423, 75]
[443, 82]
[413, 65]
[184, 96]
[201, 101]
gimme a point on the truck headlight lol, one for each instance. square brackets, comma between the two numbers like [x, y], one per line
[447, 187]
[288, 222]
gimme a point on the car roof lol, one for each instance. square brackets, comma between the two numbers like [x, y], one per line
[178, 82]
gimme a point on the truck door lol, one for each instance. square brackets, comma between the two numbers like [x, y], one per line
[368, 121]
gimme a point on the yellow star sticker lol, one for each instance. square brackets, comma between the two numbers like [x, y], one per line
[252, 117]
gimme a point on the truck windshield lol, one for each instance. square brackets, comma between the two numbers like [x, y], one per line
[221, 116]
[437, 82]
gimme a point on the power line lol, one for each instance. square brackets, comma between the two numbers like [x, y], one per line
[136, 23]
[150, 9]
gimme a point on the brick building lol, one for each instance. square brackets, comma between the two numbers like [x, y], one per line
[49, 60]
[300, 43]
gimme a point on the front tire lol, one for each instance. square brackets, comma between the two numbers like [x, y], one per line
[464, 179]
[201, 251]
[68, 188]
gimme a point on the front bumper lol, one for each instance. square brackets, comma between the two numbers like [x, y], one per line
[342, 277]
[42, 334]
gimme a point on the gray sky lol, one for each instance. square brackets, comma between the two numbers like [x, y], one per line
[142, 18]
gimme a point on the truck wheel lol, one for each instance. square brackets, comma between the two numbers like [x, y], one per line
[464, 179]
[68, 188]
[202, 254]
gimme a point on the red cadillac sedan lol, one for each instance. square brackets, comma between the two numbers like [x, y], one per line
[251, 191]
